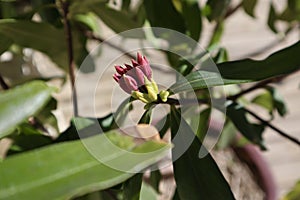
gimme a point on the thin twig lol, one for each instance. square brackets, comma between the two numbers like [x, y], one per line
[69, 41]
[266, 123]
[205, 101]
[3, 83]
[258, 85]
[91, 36]
[233, 10]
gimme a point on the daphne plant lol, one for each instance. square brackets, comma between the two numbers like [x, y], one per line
[136, 79]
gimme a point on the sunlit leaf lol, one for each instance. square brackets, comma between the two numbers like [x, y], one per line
[279, 63]
[21, 102]
[67, 169]
[202, 79]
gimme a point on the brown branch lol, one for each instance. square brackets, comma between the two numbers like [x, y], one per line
[266, 123]
[69, 41]
[173, 101]
[91, 36]
[258, 85]
[233, 10]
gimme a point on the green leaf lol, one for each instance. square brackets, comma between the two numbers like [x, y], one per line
[19, 103]
[271, 100]
[217, 35]
[195, 178]
[146, 118]
[249, 6]
[147, 192]
[48, 11]
[68, 169]
[132, 187]
[192, 16]
[222, 56]
[200, 80]
[118, 21]
[5, 43]
[294, 194]
[272, 18]
[203, 124]
[164, 14]
[155, 177]
[227, 136]
[40, 36]
[122, 111]
[264, 100]
[24, 142]
[279, 63]
[278, 101]
[217, 9]
[252, 132]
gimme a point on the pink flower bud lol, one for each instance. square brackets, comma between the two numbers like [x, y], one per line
[120, 69]
[131, 77]
[128, 84]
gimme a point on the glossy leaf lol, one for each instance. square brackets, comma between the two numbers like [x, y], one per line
[252, 132]
[164, 14]
[202, 79]
[21, 102]
[249, 6]
[40, 36]
[203, 123]
[195, 178]
[192, 16]
[67, 169]
[272, 18]
[279, 63]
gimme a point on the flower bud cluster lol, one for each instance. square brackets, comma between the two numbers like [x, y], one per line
[136, 79]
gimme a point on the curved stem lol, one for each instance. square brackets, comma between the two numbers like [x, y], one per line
[69, 41]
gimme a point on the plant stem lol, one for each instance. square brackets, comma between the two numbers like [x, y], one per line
[91, 36]
[69, 41]
[266, 123]
[173, 101]
[233, 10]
[3, 83]
[258, 85]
